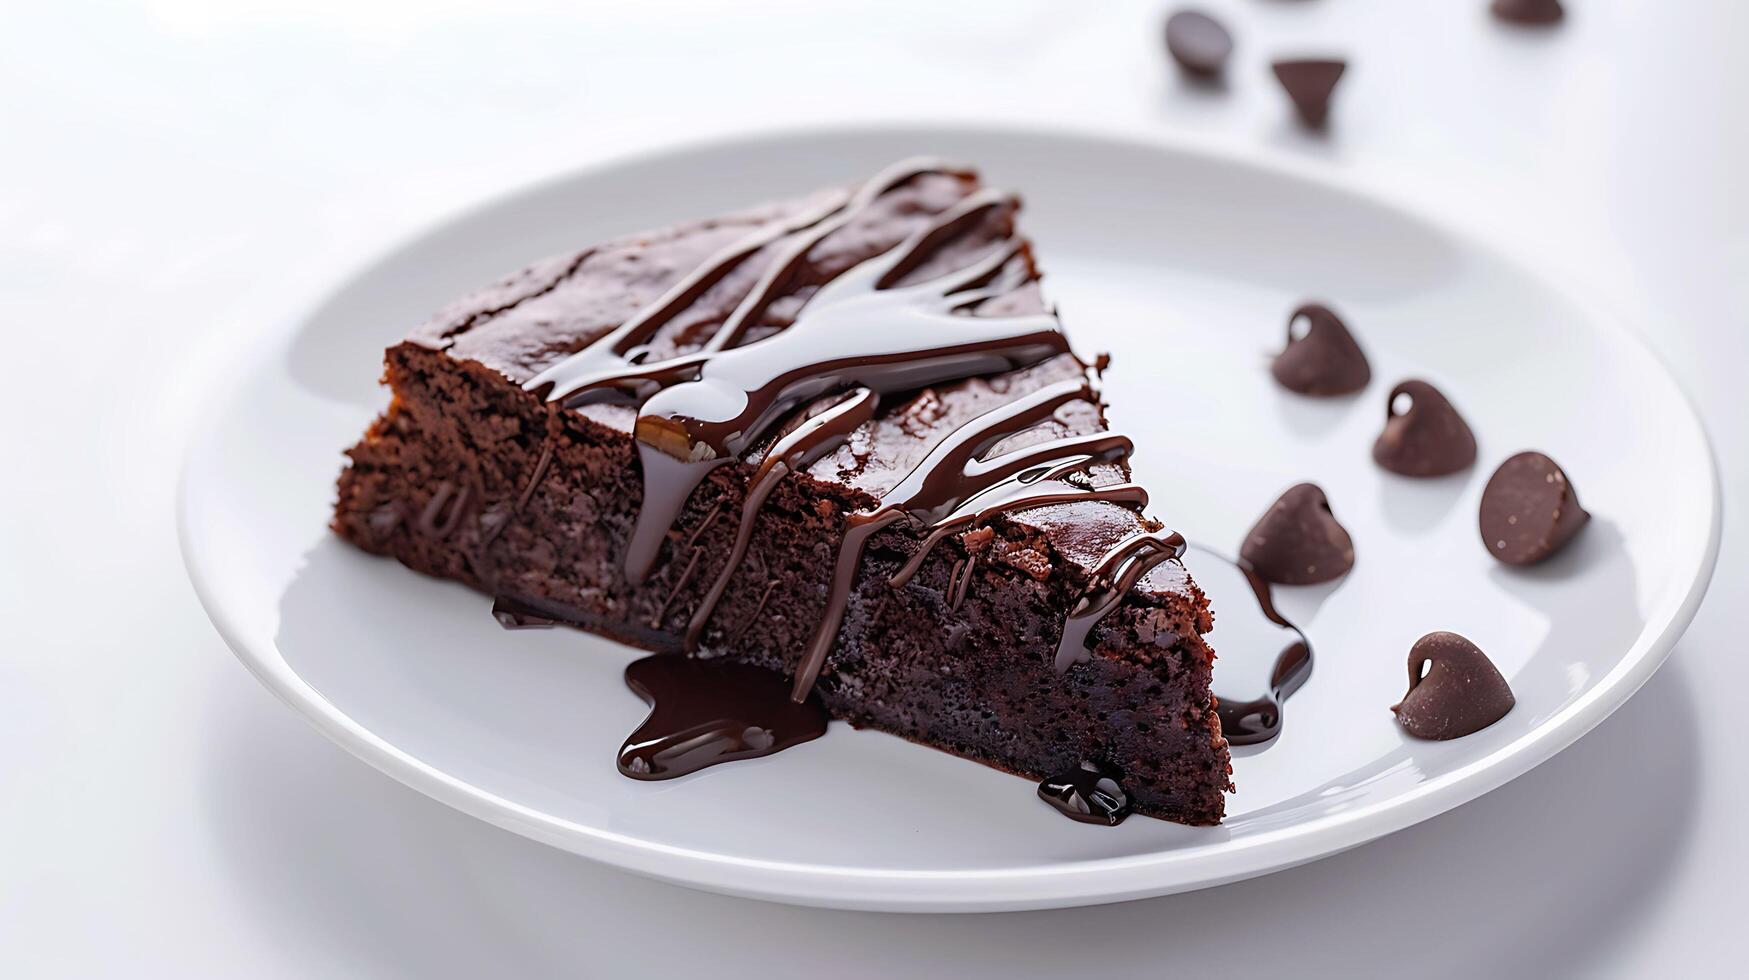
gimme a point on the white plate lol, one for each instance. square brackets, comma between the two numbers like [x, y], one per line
[1182, 264]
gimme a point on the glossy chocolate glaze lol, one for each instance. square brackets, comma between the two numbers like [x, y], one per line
[1263, 658]
[1089, 793]
[1115, 575]
[960, 470]
[866, 332]
[705, 712]
[796, 451]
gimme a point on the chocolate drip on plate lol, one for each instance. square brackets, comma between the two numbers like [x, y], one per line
[1092, 792]
[705, 712]
[513, 614]
[1261, 659]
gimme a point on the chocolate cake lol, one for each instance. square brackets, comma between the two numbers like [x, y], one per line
[839, 438]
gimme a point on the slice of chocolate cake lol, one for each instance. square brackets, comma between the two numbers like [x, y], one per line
[839, 438]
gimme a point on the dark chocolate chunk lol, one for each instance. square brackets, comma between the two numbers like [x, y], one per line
[1427, 437]
[1309, 83]
[1298, 541]
[1323, 360]
[1091, 793]
[1198, 43]
[1529, 510]
[1537, 12]
[1460, 694]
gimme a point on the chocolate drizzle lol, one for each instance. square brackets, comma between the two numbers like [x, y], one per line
[853, 332]
[814, 438]
[674, 592]
[1115, 575]
[1263, 657]
[862, 335]
[703, 712]
[961, 580]
[1092, 792]
[940, 491]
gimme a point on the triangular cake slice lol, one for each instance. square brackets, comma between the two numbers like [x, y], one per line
[840, 438]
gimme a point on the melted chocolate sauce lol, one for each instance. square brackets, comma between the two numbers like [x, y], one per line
[798, 450]
[1036, 487]
[1261, 658]
[603, 369]
[861, 335]
[703, 712]
[853, 333]
[514, 615]
[1092, 792]
[955, 472]
[1115, 575]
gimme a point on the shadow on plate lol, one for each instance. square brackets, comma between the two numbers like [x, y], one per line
[1309, 417]
[347, 869]
[1414, 505]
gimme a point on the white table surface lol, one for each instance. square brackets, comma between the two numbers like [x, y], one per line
[175, 175]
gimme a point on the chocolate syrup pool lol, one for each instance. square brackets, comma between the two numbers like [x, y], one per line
[704, 712]
[1260, 658]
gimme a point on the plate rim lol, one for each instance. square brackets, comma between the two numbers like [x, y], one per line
[1056, 885]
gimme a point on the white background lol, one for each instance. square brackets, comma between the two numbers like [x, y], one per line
[176, 175]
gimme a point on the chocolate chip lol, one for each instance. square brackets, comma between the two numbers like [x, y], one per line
[1528, 11]
[1325, 359]
[1461, 693]
[1309, 84]
[1298, 540]
[1198, 43]
[1529, 510]
[1424, 435]
[1091, 793]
